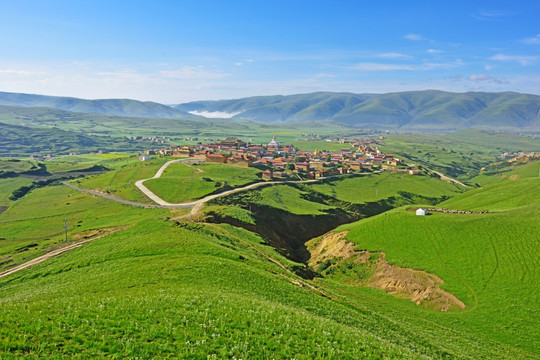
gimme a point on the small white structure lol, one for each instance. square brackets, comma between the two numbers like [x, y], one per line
[421, 212]
[145, 157]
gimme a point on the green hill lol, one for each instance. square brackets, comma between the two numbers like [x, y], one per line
[153, 288]
[241, 283]
[21, 141]
[426, 111]
[488, 261]
[117, 107]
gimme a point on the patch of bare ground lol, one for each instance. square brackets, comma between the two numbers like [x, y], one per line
[418, 286]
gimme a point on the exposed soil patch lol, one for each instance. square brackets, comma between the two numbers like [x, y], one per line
[3, 208]
[332, 252]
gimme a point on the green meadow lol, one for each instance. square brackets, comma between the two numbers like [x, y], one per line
[374, 187]
[489, 261]
[120, 182]
[229, 288]
[181, 182]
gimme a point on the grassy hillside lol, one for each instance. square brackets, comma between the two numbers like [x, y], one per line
[120, 182]
[421, 111]
[461, 154]
[487, 260]
[181, 182]
[118, 107]
[157, 288]
[20, 141]
[163, 289]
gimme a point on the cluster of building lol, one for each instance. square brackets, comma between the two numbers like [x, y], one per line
[277, 159]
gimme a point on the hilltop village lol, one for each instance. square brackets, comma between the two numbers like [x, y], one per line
[279, 161]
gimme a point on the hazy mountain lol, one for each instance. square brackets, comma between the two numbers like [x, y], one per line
[428, 110]
[118, 107]
[20, 141]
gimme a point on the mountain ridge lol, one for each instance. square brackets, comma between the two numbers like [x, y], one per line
[427, 110]
[117, 107]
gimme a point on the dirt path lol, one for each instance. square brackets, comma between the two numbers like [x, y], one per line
[99, 234]
[447, 178]
[196, 205]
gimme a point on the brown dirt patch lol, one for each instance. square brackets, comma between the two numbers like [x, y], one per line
[514, 177]
[418, 286]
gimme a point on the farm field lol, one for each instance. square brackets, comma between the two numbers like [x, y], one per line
[181, 182]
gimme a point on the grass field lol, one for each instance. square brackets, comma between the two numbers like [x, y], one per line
[197, 291]
[181, 182]
[374, 187]
[158, 288]
[489, 261]
[461, 154]
[34, 224]
[121, 181]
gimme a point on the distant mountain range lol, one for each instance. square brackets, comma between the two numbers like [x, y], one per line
[117, 107]
[428, 110]
[414, 111]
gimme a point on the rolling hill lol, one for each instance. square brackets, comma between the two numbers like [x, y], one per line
[21, 141]
[117, 107]
[425, 111]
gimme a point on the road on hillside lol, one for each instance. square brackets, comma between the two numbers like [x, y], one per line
[193, 205]
[447, 178]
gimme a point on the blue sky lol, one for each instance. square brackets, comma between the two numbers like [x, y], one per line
[179, 51]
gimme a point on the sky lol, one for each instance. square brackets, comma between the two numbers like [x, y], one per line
[178, 51]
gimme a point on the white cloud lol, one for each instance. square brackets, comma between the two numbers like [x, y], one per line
[324, 75]
[393, 56]
[192, 72]
[532, 40]
[523, 60]
[434, 51]
[414, 37]
[19, 72]
[368, 66]
[380, 67]
[486, 78]
[493, 15]
[215, 114]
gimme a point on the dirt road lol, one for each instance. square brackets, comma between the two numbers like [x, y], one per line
[57, 252]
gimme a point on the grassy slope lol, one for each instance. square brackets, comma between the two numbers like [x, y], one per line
[146, 291]
[181, 183]
[38, 218]
[121, 181]
[375, 187]
[488, 260]
[461, 154]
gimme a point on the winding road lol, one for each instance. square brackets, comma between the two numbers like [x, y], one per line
[196, 205]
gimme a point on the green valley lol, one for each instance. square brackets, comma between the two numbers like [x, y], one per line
[335, 267]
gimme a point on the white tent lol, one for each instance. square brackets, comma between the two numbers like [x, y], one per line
[421, 212]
